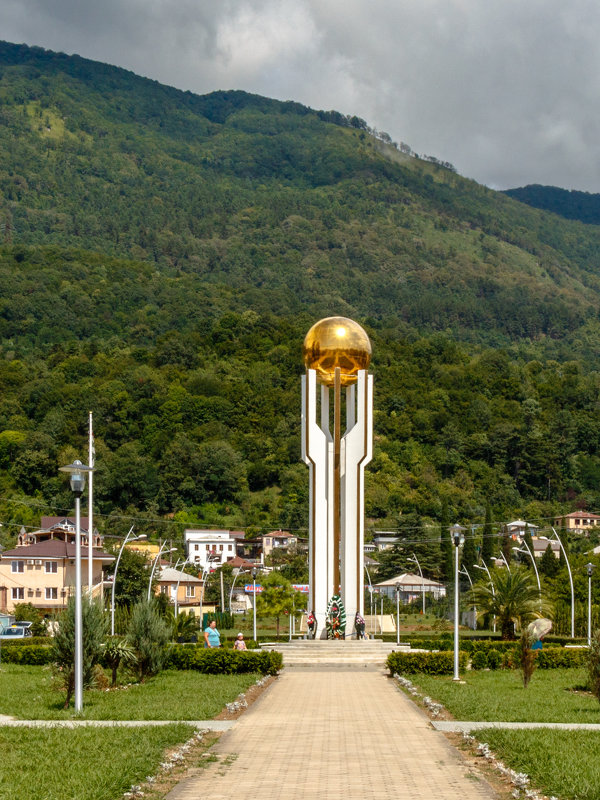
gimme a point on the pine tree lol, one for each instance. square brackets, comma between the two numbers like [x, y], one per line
[488, 547]
[549, 565]
[469, 553]
[507, 545]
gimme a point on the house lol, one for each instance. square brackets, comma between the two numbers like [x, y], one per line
[578, 522]
[541, 545]
[518, 527]
[411, 587]
[277, 540]
[209, 549]
[43, 572]
[188, 589]
[385, 540]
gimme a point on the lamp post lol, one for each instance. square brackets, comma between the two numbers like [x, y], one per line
[456, 532]
[77, 472]
[414, 559]
[484, 568]
[528, 552]
[235, 577]
[254, 604]
[180, 562]
[590, 568]
[114, 583]
[464, 571]
[398, 587]
[156, 560]
[564, 552]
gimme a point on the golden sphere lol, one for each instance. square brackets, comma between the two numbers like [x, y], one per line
[336, 342]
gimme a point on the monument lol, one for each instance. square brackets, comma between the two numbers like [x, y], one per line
[336, 387]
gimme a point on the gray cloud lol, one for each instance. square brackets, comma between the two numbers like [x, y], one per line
[508, 91]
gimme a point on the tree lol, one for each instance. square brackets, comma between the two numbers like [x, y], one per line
[277, 597]
[549, 564]
[488, 546]
[469, 553]
[118, 652]
[148, 635]
[514, 599]
[132, 577]
[447, 563]
[94, 627]
[507, 545]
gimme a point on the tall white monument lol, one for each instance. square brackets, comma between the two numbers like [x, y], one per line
[336, 387]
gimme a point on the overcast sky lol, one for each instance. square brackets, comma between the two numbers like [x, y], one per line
[507, 90]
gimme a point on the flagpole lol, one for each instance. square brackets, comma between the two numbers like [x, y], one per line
[90, 510]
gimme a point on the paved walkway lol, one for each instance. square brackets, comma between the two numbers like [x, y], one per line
[333, 734]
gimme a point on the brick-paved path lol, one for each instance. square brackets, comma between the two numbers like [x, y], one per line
[329, 734]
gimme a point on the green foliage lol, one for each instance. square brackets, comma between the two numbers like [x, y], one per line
[549, 565]
[526, 656]
[185, 625]
[132, 577]
[488, 543]
[494, 658]
[593, 664]
[29, 613]
[557, 657]
[148, 634]
[32, 654]
[479, 660]
[94, 626]
[277, 597]
[426, 663]
[225, 662]
[118, 652]
[514, 599]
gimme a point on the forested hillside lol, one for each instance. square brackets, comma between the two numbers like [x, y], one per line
[163, 256]
[570, 204]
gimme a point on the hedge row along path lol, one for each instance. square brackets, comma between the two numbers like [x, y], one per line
[335, 733]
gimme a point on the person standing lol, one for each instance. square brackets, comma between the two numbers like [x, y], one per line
[212, 637]
[239, 643]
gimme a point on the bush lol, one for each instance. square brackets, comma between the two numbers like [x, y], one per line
[217, 661]
[555, 657]
[479, 660]
[494, 658]
[29, 654]
[148, 634]
[427, 663]
[593, 664]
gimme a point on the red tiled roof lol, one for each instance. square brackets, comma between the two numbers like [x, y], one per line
[54, 522]
[54, 548]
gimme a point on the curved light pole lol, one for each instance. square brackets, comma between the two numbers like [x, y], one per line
[156, 560]
[398, 587]
[564, 552]
[254, 573]
[180, 562]
[528, 552]
[77, 472]
[590, 568]
[456, 531]
[484, 568]
[114, 582]
[415, 560]
[503, 557]
[235, 577]
[463, 571]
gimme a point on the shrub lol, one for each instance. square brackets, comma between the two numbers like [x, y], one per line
[526, 656]
[117, 652]
[494, 658]
[94, 626]
[427, 663]
[32, 655]
[217, 661]
[148, 634]
[479, 660]
[555, 657]
[593, 664]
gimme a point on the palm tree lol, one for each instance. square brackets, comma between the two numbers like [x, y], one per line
[513, 599]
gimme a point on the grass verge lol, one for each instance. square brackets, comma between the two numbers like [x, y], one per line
[95, 764]
[564, 764]
[500, 696]
[28, 693]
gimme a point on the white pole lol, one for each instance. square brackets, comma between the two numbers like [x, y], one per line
[78, 612]
[456, 612]
[90, 510]
[589, 608]
[254, 604]
[397, 615]
[156, 560]
[112, 597]
[571, 582]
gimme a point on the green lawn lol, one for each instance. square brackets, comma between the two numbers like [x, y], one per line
[27, 693]
[82, 764]
[500, 696]
[560, 763]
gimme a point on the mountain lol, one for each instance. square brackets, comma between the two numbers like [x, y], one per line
[568, 203]
[163, 256]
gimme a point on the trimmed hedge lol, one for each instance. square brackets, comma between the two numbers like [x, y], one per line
[555, 657]
[427, 663]
[223, 662]
[27, 641]
[34, 654]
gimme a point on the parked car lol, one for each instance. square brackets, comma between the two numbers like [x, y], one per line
[14, 632]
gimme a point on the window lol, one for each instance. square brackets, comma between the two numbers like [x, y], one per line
[196, 547]
[207, 548]
[220, 548]
[51, 593]
[17, 566]
[51, 567]
[230, 547]
[18, 593]
[190, 591]
[164, 589]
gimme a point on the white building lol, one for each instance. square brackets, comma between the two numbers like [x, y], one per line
[411, 587]
[209, 548]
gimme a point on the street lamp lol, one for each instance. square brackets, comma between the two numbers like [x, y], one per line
[464, 571]
[528, 552]
[590, 568]
[180, 562]
[114, 582]
[415, 560]
[156, 560]
[485, 569]
[77, 472]
[456, 532]
[235, 577]
[398, 587]
[564, 552]
[254, 573]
